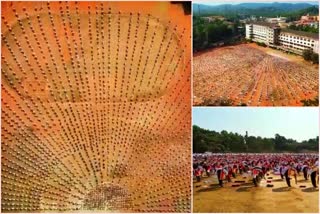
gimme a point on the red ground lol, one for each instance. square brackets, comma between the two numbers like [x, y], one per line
[251, 75]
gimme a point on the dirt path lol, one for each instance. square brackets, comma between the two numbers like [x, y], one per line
[208, 197]
[281, 54]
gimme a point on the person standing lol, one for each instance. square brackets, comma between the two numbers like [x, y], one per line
[305, 170]
[220, 174]
[198, 173]
[314, 173]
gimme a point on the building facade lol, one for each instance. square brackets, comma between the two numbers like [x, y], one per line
[285, 39]
[312, 21]
[297, 41]
[309, 18]
[267, 33]
[277, 20]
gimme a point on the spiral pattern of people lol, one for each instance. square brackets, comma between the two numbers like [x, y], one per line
[255, 160]
[96, 106]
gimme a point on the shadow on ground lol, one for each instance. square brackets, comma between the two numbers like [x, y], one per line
[244, 189]
[281, 189]
[212, 187]
[310, 189]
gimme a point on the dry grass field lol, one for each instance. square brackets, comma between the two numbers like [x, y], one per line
[208, 197]
[251, 75]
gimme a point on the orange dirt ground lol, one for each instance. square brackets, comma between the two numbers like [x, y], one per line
[95, 107]
[209, 198]
[253, 75]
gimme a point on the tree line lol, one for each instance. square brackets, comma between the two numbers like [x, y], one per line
[212, 141]
[296, 15]
[208, 34]
[305, 28]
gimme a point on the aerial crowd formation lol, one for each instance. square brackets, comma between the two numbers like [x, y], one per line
[245, 75]
[90, 95]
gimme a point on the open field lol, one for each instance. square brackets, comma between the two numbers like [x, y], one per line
[252, 75]
[95, 107]
[209, 197]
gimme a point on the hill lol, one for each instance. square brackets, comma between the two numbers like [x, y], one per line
[257, 9]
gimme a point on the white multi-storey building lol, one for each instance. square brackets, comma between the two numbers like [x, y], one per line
[298, 41]
[285, 39]
[263, 32]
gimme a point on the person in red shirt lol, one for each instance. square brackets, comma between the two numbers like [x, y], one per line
[198, 173]
[220, 173]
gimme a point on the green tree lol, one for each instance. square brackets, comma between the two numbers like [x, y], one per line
[280, 142]
[306, 54]
[315, 58]
[212, 141]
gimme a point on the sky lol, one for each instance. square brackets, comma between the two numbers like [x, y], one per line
[215, 2]
[299, 123]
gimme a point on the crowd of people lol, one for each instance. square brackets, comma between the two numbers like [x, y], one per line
[247, 75]
[229, 165]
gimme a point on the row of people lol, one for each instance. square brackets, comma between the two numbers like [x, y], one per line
[226, 166]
